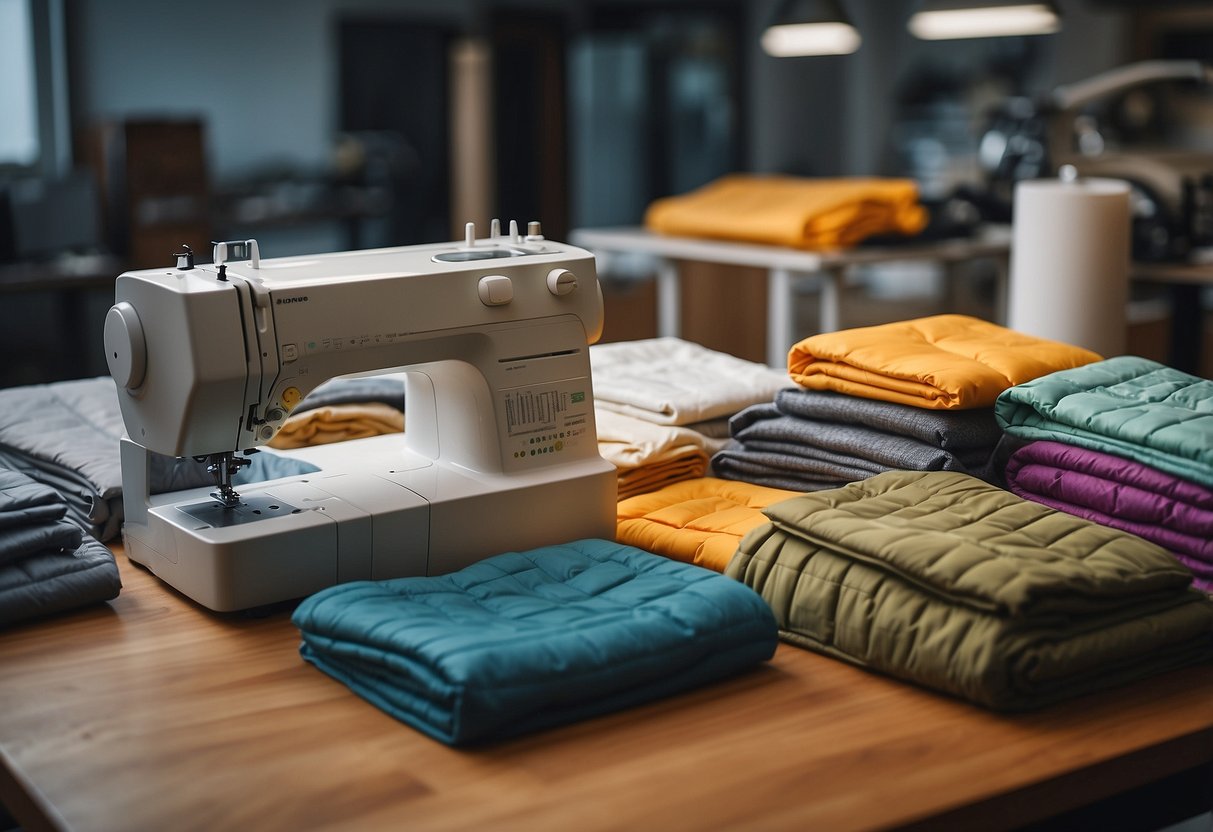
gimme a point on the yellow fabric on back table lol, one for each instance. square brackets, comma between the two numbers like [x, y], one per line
[699, 521]
[792, 211]
[942, 362]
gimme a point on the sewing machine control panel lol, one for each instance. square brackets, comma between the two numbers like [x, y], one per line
[542, 421]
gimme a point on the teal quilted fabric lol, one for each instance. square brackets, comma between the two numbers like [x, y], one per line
[527, 640]
[1127, 406]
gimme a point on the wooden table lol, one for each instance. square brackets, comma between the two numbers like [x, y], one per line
[151, 713]
[788, 270]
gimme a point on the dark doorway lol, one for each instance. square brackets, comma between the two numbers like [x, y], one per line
[394, 113]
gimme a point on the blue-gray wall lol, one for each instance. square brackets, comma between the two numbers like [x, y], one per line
[263, 74]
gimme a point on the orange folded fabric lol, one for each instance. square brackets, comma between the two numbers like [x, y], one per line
[698, 521]
[631, 482]
[791, 210]
[943, 362]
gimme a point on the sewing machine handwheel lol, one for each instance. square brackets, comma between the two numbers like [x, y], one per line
[125, 346]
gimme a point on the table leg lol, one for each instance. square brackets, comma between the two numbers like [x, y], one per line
[781, 317]
[951, 285]
[830, 317]
[1002, 272]
[1187, 319]
[669, 300]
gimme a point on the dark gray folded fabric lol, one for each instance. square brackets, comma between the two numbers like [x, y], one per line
[779, 470]
[833, 454]
[858, 446]
[24, 502]
[46, 565]
[24, 541]
[66, 435]
[57, 581]
[389, 391]
[31, 519]
[954, 430]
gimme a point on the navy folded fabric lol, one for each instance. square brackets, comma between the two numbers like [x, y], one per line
[528, 640]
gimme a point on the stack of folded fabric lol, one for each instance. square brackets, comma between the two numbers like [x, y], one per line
[792, 211]
[648, 456]
[662, 406]
[913, 395]
[668, 381]
[47, 565]
[1126, 442]
[66, 435]
[947, 581]
[699, 521]
[524, 641]
[809, 440]
[942, 362]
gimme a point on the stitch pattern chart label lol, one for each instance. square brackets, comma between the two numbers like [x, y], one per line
[528, 411]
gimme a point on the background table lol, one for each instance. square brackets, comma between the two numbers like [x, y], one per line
[788, 270]
[152, 713]
[1185, 282]
[78, 285]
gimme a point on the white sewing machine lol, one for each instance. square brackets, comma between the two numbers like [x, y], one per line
[500, 451]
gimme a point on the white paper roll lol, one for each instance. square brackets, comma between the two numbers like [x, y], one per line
[1070, 262]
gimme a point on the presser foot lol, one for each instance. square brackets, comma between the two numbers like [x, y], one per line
[223, 467]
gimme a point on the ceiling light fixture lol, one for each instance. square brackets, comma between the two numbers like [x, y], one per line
[810, 27]
[949, 19]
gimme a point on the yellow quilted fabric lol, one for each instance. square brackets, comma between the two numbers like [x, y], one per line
[943, 362]
[698, 521]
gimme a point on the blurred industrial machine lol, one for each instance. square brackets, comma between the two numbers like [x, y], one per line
[1119, 125]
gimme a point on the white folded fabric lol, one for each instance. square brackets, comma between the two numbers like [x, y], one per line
[669, 381]
[627, 442]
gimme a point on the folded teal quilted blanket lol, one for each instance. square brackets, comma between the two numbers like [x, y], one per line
[528, 640]
[1127, 406]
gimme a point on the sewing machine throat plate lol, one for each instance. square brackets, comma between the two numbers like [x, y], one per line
[251, 509]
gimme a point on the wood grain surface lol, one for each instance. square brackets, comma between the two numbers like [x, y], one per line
[152, 713]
